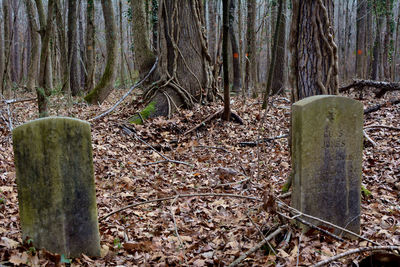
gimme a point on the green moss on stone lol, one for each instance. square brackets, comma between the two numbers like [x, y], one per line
[145, 113]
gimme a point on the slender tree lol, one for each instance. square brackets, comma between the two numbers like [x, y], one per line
[237, 84]
[226, 11]
[251, 66]
[314, 68]
[106, 83]
[121, 45]
[72, 40]
[35, 47]
[7, 44]
[61, 34]
[361, 51]
[90, 61]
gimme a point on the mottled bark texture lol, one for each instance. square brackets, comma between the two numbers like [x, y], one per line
[43, 91]
[90, 61]
[35, 47]
[106, 83]
[314, 69]
[184, 69]
[226, 12]
[361, 51]
[251, 66]
[237, 81]
[63, 47]
[72, 34]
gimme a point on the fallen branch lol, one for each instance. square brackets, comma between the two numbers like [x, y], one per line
[353, 251]
[212, 116]
[369, 138]
[127, 93]
[177, 196]
[12, 101]
[268, 139]
[382, 126]
[384, 86]
[299, 213]
[379, 106]
[166, 159]
[257, 247]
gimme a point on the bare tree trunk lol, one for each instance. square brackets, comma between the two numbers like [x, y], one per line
[376, 50]
[2, 47]
[237, 84]
[106, 83]
[7, 44]
[15, 50]
[396, 47]
[43, 91]
[314, 52]
[72, 34]
[121, 38]
[144, 57]
[184, 65]
[90, 46]
[227, 13]
[251, 65]
[60, 21]
[279, 76]
[361, 50]
[387, 40]
[154, 22]
[212, 26]
[35, 47]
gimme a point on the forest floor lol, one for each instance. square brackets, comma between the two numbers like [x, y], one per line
[213, 226]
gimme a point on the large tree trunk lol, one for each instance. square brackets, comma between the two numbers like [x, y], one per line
[212, 27]
[106, 83]
[376, 50]
[387, 39]
[314, 52]
[7, 44]
[35, 47]
[15, 48]
[72, 34]
[90, 61]
[184, 63]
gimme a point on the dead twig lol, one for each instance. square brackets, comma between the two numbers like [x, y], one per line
[268, 139]
[166, 159]
[12, 101]
[178, 196]
[212, 116]
[382, 126]
[353, 251]
[369, 138]
[257, 247]
[298, 213]
[127, 93]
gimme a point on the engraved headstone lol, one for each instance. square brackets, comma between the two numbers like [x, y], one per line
[56, 190]
[327, 142]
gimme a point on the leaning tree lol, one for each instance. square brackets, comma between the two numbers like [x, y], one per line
[314, 69]
[183, 75]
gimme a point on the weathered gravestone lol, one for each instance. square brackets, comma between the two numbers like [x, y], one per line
[327, 142]
[56, 190]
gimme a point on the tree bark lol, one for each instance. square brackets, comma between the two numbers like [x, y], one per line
[376, 50]
[72, 35]
[212, 27]
[279, 75]
[144, 57]
[121, 46]
[7, 44]
[387, 39]
[35, 47]
[63, 47]
[43, 91]
[106, 83]
[184, 69]
[361, 50]
[90, 61]
[226, 12]
[251, 65]
[314, 69]
[237, 80]
[15, 48]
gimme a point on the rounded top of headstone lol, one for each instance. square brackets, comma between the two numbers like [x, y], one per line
[48, 120]
[323, 98]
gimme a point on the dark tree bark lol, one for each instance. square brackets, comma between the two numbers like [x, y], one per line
[7, 44]
[251, 65]
[314, 69]
[43, 91]
[121, 46]
[63, 47]
[387, 39]
[90, 61]
[184, 68]
[72, 34]
[106, 83]
[376, 50]
[154, 22]
[15, 48]
[35, 47]
[279, 75]
[212, 28]
[226, 12]
[237, 81]
[361, 51]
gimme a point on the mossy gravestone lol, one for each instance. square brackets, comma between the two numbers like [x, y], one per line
[327, 141]
[56, 190]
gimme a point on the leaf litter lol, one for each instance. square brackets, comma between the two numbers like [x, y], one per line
[211, 230]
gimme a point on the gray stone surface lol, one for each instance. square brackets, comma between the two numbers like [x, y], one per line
[56, 190]
[327, 142]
